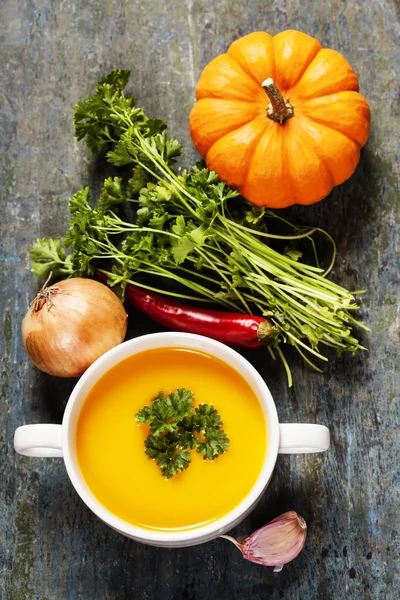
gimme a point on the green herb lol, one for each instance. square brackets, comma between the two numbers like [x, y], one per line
[177, 427]
[194, 230]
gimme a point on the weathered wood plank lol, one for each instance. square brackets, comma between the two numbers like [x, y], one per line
[51, 547]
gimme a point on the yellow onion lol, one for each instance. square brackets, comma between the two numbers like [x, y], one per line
[70, 324]
[275, 544]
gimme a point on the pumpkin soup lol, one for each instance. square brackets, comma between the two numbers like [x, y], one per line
[111, 451]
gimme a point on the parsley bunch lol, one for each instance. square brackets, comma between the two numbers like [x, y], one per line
[176, 427]
[192, 229]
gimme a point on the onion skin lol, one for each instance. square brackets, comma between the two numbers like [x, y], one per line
[80, 321]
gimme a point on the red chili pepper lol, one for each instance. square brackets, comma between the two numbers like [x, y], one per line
[234, 329]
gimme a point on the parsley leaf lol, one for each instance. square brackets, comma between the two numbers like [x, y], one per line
[164, 413]
[181, 403]
[79, 202]
[169, 453]
[159, 415]
[111, 195]
[118, 78]
[215, 442]
[49, 256]
[205, 417]
[174, 423]
[191, 229]
[172, 465]
[182, 249]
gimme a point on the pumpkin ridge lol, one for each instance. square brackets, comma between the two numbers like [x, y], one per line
[252, 77]
[208, 111]
[240, 66]
[306, 65]
[308, 137]
[304, 137]
[339, 127]
[346, 82]
[243, 71]
[250, 148]
[242, 74]
[291, 39]
[223, 78]
[236, 48]
[286, 183]
[286, 161]
[321, 123]
[305, 100]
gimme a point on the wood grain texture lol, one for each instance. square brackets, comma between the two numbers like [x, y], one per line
[51, 546]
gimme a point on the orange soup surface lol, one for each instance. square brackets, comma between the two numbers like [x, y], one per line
[110, 444]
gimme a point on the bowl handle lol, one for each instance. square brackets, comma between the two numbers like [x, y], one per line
[299, 438]
[39, 440]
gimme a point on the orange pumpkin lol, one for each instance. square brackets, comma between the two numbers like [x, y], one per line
[280, 118]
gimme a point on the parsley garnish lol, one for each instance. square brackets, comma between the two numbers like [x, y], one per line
[177, 427]
[192, 229]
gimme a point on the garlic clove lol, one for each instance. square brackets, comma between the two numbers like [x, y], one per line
[275, 544]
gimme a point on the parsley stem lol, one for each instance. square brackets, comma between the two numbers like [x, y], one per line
[306, 358]
[145, 286]
[138, 229]
[280, 269]
[286, 366]
[162, 166]
[274, 236]
[225, 278]
[189, 283]
[187, 231]
[209, 267]
[311, 350]
[201, 275]
[163, 291]
[257, 245]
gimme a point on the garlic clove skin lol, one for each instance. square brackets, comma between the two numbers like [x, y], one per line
[275, 544]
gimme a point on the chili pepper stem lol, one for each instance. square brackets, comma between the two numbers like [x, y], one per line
[267, 333]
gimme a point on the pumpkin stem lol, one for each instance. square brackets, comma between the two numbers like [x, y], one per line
[279, 109]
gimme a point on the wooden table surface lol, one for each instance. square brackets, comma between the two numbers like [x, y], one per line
[51, 546]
